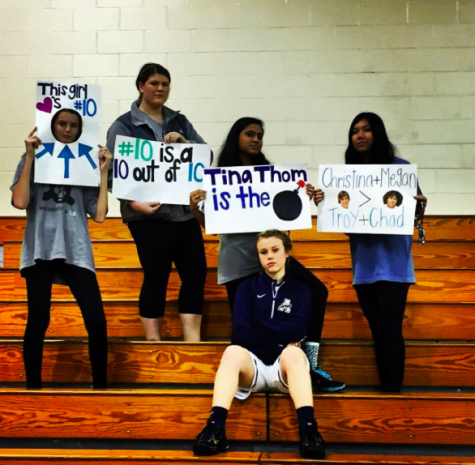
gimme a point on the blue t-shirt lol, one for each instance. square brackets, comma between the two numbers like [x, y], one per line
[382, 257]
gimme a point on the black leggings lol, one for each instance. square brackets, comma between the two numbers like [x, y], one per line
[317, 288]
[159, 243]
[84, 286]
[383, 304]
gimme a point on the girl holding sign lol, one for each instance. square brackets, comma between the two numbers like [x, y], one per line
[382, 264]
[238, 260]
[163, 233]
[57, 249]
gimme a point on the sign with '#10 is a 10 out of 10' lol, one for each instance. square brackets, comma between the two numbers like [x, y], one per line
[151, 171]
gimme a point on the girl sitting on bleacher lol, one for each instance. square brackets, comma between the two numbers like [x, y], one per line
[57, 249]
[382, 264]
[271, 314]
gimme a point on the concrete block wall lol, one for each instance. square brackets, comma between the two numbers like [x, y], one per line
[307, 67]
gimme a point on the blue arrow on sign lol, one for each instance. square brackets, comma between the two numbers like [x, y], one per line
[48, 148]
[67, 155]
[84, 151]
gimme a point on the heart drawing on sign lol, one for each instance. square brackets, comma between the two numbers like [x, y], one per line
[46, 105]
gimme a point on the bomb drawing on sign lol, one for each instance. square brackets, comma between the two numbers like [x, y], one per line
[288, 204]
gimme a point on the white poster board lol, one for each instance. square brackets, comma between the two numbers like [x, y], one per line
[255, 198]
[370, 199]
[152, 171]
[75, 162]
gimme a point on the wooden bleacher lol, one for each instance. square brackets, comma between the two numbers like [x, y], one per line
[169, 401]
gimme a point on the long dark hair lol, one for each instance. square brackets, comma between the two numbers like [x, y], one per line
[229, 153]
[382, 152]
[147, 70]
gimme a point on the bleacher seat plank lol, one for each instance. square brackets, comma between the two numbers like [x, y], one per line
[116, 414]
[108, 254]
[13, 228]
[120, 457]
[433, 255]
[454, 228]
[449, 322]
[122, 320]
[427, 364]
[438, 228]
[284, 458]
[128, 362]
[411, 418]
[434, 286]
[452, 322]
[313, 255]
[152, 457]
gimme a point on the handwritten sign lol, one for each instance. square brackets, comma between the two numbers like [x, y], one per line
[371, 199]
[69, 155]
[256, 198]
[152, 171]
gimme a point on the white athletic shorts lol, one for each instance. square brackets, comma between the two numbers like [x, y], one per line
[266, 378]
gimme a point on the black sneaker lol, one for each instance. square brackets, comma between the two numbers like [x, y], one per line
[211, 441]
[311, 443]
[323, 382]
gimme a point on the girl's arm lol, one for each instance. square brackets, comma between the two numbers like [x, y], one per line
[105, 158]
[21, 191]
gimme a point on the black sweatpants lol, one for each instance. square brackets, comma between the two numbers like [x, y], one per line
[84, 286]
[317, 288]
[383, 304]
[159, 243]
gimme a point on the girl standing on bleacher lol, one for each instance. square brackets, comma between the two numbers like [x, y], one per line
[57, 249]
[238, 260]
[163, 233]
[382, 264]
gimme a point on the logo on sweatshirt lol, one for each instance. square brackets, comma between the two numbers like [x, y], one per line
[285, 306]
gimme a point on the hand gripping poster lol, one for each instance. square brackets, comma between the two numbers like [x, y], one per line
[152, 171]
[68, 122]
[370, 199]
[255, 198]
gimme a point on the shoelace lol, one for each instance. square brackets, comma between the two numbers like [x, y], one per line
[323, 373]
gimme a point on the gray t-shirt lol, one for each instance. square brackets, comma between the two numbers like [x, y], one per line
[56, 223]
[237, 256]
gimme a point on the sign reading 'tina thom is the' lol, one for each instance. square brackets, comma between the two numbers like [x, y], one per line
[255, 198]
[67, 118]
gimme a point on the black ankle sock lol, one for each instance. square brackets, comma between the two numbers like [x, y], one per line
[306, 417]
[219, 416]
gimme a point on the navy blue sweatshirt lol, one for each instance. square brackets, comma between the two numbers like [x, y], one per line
[267, 316]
